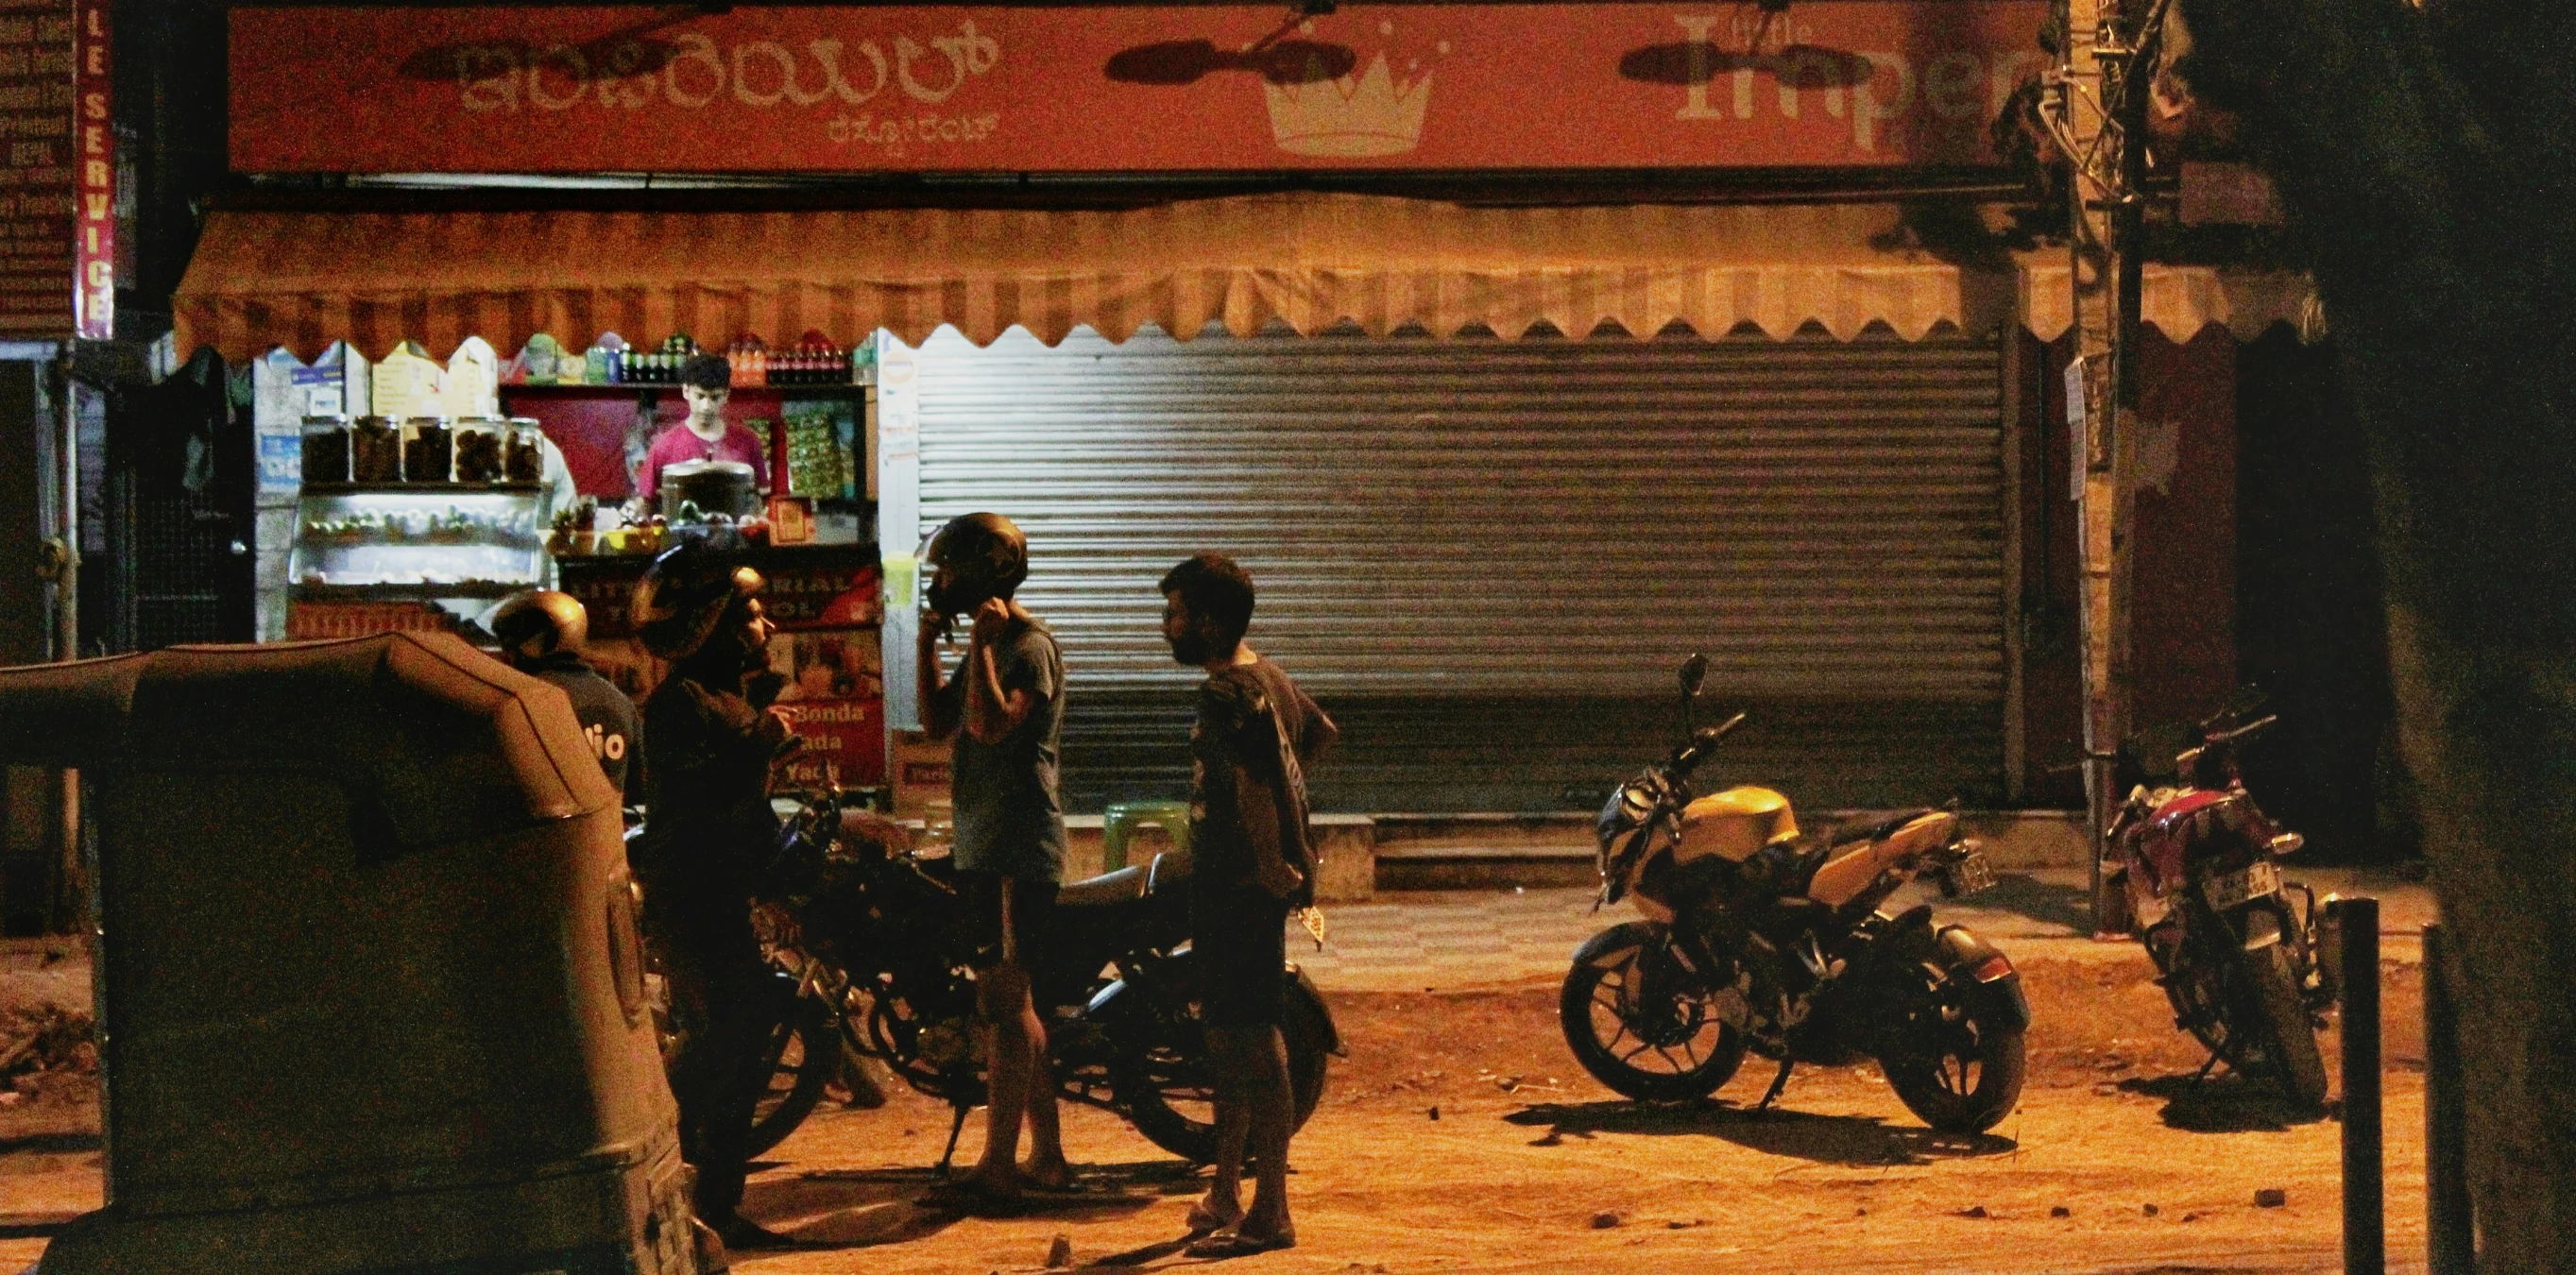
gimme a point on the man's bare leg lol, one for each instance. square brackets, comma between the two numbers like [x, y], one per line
[1273, 1117]
[1222, 1206]
[1046, 1167]
[1009, 1075]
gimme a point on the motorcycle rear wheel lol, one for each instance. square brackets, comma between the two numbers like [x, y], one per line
[1165, 1090]
[1970, 1076]
[1603, 992]
[2282, 1028]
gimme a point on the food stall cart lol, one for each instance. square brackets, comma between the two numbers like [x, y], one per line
[387, 536]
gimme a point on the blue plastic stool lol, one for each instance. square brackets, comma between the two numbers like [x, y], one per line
[1123, 818]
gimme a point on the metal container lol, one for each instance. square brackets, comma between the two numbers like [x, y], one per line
[372, 988]
[714, 486]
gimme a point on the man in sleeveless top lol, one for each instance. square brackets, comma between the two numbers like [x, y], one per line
[1248, 749]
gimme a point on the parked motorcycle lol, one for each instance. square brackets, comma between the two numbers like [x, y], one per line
[802, 1052]
[880, 935]
[1758, 936]
[2236, 947]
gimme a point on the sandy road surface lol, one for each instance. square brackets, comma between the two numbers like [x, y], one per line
[2154, 1172]
[1840, 1178]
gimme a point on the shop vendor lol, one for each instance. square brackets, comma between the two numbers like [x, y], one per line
[706, 383]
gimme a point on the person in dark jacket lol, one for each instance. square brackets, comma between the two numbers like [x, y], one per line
[708, 832]
[542, 634]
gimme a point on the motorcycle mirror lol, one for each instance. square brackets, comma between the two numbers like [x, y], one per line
[1694, 672]
[2241, 704]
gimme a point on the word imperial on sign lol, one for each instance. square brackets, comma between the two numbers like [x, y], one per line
[1883, 85]
[690, 71]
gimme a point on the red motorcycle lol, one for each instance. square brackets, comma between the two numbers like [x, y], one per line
[2236, 946]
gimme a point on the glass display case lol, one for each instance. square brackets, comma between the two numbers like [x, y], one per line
[357, 542]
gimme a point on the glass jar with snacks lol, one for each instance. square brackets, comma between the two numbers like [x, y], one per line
[525, 460]
[428, 450]
[481, 446]
[375, 450]
[326, 449]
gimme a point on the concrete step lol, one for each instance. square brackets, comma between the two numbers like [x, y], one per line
[1448, 867]
[1365, 854]
[1474, 852]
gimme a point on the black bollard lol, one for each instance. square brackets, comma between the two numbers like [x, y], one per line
[2365, 1232]
[2450, 1225]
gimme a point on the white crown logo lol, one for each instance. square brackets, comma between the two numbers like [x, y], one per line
[1349, 118]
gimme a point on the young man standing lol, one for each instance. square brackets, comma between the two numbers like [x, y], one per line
[1006, 708]
[1248, 752]
[706, 385]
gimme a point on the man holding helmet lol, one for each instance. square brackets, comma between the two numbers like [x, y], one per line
[1006, 708]
[542, 634]
[708, 832]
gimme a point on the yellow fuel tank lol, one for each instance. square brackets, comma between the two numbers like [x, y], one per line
[1735, 824]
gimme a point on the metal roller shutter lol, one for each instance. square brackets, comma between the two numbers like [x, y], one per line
[1486, 557]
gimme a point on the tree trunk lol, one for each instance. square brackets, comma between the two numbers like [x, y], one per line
[2428, 159]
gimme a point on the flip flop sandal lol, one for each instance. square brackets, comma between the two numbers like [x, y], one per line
[1237, 1244]
[1203, 1222]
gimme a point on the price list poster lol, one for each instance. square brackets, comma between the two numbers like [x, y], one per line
[58, 182]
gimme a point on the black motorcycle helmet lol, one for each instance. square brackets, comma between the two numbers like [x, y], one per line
[531, 626]
[985, 556]
[685, 593]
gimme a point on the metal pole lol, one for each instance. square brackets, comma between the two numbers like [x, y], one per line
[2096, 97]
[2450, 1231]
[2365, 1231]
[69, 883]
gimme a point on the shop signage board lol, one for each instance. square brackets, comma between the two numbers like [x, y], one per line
[58, 184]
[826, 604]
[1853, 83]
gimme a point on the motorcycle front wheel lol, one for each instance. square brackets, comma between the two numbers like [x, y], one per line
[1647, 1042]
[1963, 1073]
[1166, 1090]
[800, 1057]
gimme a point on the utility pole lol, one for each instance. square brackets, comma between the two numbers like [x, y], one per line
[2095, 110]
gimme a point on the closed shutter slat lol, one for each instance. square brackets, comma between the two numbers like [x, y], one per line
[1443, 529]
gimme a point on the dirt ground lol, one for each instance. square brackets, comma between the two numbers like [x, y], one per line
[1459, 1136]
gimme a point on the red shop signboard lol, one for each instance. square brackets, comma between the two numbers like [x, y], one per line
[1855, 83]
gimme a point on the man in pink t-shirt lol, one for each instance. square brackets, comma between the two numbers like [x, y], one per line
[706, 382]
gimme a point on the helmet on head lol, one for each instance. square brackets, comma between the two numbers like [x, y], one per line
[685, 593]
[986, 557]
[532, 626]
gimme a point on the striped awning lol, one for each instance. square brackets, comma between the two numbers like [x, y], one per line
[2177, 301]
[303, 280]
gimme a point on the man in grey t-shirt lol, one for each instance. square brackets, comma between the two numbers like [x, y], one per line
[1006, 708]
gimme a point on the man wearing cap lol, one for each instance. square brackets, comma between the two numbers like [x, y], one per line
[708, 831]
[706, 385]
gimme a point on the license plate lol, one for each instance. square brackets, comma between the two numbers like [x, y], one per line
[2259, 881]
[1970, 875]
